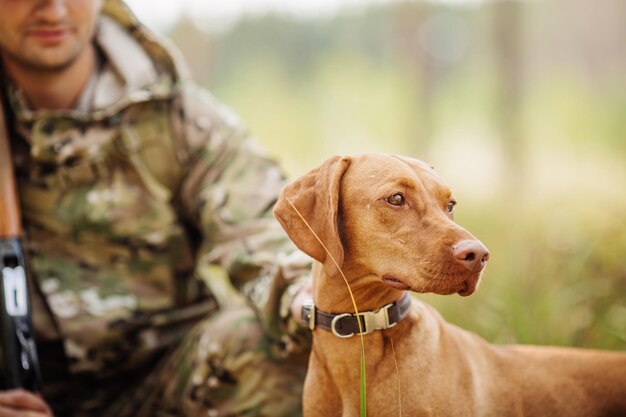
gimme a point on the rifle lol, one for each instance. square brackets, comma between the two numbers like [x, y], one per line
[20, 363]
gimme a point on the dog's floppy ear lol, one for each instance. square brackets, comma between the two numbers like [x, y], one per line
[316, 197]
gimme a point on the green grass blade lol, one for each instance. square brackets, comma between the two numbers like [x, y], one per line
[363, 391]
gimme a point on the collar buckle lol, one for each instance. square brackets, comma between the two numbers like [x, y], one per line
[308, 310]
[370, 321]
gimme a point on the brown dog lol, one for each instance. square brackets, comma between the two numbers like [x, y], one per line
[387, 222]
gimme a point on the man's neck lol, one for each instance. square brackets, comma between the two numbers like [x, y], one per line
[53, 89]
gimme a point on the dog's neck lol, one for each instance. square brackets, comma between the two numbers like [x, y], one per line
[331, 294]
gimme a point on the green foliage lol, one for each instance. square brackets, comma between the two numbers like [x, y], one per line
[564, 109]
[343, 105]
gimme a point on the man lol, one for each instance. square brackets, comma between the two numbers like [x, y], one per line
[146, 208]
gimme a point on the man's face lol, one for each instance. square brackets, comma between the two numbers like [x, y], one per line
[46, 35]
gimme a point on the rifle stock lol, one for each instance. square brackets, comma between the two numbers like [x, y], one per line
[10, 224]
[19, 356]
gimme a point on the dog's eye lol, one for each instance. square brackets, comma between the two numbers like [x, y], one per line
[395, 200]
[450, 206]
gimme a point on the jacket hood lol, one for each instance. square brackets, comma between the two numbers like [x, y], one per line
[166, 58]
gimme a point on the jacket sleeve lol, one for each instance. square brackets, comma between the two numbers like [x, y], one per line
[228, 193]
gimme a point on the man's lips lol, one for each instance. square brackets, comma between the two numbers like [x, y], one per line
[395, 283]
[48, 36]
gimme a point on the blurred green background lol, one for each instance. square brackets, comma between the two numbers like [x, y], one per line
[519, 105]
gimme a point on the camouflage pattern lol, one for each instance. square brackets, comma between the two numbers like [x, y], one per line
[145, 211]
[242, 374]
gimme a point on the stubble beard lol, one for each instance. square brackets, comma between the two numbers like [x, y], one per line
[42, 64]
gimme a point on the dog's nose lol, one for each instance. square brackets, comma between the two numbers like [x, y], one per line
[472, 254]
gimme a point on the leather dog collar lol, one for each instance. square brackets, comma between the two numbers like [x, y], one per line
[345, 325]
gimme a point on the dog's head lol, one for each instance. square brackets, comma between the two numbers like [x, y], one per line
[386, 219]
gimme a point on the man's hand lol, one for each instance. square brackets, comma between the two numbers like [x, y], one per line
[21, 403]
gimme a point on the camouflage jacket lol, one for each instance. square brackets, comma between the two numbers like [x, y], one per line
[141, 208]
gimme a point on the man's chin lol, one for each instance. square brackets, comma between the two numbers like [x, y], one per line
[45, 58]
